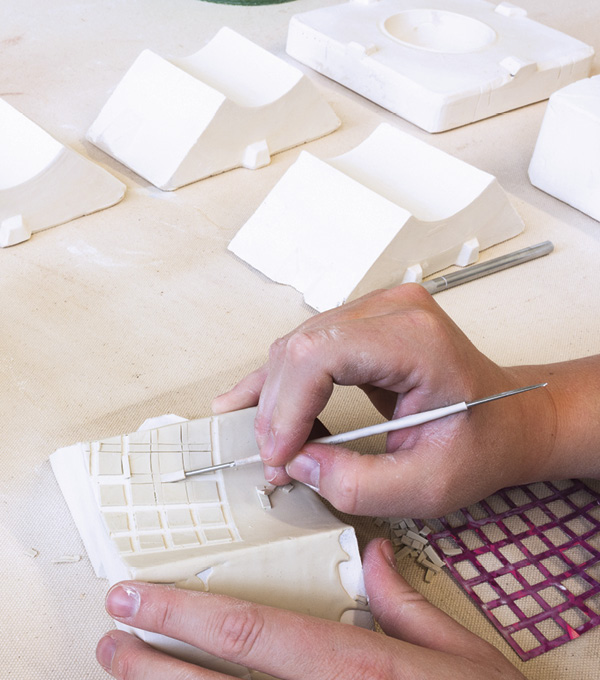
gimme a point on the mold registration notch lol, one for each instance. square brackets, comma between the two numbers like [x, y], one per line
[232, 104]
[42, 182]
[208, 532]
[391, 210]
[438, 63]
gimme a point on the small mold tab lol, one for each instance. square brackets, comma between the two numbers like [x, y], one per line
[13, 231]
[469, 253]
[507, 9]
[256, 155]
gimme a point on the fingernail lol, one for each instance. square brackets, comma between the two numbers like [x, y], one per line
[305, 469]
[267, 449]
[270, 473]
[387, 550]
[122, 601]
[105, 652]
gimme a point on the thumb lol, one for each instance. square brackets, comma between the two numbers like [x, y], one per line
[405, 614]
[382, 484]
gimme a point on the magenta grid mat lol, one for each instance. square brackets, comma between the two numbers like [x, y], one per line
[530, 558]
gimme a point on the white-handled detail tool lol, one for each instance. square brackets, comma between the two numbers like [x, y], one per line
[342, 438]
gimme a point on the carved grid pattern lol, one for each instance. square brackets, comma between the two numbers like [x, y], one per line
[530, 558]
[142, 513]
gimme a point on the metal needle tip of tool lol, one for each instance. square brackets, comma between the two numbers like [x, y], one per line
[389, 426]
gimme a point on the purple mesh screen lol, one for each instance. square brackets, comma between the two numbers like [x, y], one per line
[530, 558]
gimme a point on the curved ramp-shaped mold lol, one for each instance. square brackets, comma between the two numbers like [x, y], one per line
[232, 104]
[442, 63]
[566, 159]
[208, 532]
[42, 182]
[393, 209]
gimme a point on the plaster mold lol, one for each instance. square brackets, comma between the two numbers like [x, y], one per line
[42, 182]
[392, 210]
[438, 63]
[210, 532]
[230, 105]
[566, 159]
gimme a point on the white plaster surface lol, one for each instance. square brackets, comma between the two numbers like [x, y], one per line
[231, 104]
[438, 64]
[566, 159]
[208, 532]
[42, 182]
[141, 310]
[392, 209]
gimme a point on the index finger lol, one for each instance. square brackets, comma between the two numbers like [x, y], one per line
[282, 643]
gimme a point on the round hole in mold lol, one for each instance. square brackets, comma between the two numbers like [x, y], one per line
[436, 30]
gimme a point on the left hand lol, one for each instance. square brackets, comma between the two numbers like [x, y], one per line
[424, 642]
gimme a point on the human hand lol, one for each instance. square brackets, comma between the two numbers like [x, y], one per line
[408, 356]
[423, 642]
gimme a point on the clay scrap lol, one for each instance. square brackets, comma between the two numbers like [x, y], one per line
[208, 532]
[566, 159]
[438, 64]
[394, 209]
[42, 182]
[230, 105]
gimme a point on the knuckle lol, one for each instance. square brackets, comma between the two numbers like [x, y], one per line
[303, 345]
[345, 496]
[239, 632]
[126, 663]
[168, 617]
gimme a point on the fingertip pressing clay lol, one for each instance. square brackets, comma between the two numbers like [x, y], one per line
[438, 64]
[42, 182]
[223, 532]
[566, 159]
[232, 104]
[394, 209]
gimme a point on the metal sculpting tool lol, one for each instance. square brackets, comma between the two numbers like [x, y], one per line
[477, 271]
[389, 426]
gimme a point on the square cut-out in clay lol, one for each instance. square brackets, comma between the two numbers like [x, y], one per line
[147, 519]
[505, 615]
[116, 521]
[112, 495]
[529, 606]
[291, 557]
[151, 541]
[438, 65]
[218, 534]
[201, 491]
[185, 538]
[195, 460]
[209, 514]
[139, 463]
[180, 518]
[109, 464]
[143, 494]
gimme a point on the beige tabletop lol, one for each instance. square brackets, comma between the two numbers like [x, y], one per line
[140, 310]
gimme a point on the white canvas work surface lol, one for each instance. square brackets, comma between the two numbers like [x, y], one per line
[393, 209]
[438, 64]
[566, 159]
[230, 105]
[209, 532]
[42, 182]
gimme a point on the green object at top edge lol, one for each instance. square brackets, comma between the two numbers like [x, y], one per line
[249, 2]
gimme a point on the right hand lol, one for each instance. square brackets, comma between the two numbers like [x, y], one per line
[408, 356]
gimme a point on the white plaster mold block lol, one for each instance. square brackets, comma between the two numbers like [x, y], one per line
[566, 159]
[393, 209]
[230, 105]
[208, 532]
[439, 64]
[42, 182]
